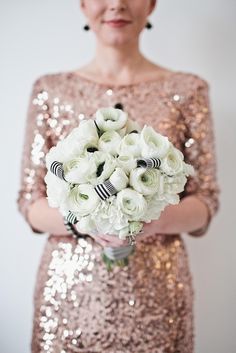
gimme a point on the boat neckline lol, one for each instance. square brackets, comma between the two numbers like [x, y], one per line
[114, 86]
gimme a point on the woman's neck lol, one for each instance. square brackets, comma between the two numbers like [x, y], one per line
[124, 64]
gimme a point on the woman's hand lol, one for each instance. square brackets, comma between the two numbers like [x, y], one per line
[149, 229]
[109, 240]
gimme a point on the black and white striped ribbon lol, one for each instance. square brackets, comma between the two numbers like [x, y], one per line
[105, 189]
[57, 169]
[71, 218]
[149, 162]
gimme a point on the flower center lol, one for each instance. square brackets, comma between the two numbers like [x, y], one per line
[83, 196]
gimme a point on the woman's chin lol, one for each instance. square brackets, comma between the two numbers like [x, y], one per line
[119, 39]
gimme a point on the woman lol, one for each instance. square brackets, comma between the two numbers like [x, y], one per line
[146, 306]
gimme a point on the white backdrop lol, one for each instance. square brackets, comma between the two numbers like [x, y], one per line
[39, 37]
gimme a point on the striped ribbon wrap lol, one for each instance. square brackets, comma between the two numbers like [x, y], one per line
[71, 218]
[105, 189]
[149, 162]
[57, 169]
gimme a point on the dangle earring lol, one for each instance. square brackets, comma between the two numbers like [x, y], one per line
[86, 27]
[148, 25]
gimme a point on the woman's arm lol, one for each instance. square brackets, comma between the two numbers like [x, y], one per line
[45, 218]
[186, 217]
[199, 201]
[199, 150]
[32, 202]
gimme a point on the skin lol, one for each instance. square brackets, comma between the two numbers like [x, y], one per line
[119, 49]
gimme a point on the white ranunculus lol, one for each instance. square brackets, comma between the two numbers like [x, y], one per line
[86, 225]
[155, 206]
[175, 184]
[105, 163]
[122, 131]
[146, 181]
[85, 143]
[62, 152]
[83, 199]
[57, 191]
[124, 232]
[109, 218]
[68, 149]
[132, 125]
[172, 163]
[110, 118]
[172, 199]
[130, 145]
[132, 203]
[153, 144]
[80, 169]
[127, 163]
[119, 179]
[109, 142]
[189, 169]
[86, 130]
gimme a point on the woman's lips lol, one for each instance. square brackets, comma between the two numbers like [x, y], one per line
[117, 23]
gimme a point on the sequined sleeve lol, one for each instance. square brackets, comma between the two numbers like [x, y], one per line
[199, 148]
[36, 145]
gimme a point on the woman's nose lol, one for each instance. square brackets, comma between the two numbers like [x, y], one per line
[117, 5]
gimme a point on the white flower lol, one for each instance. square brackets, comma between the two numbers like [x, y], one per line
[153, 144]
[130, 145]
[109, 142]
[131, 203]
[172, 163]
[57, 191]
[132, 125]
[105, 163]
[110, 118]
[109, 218]
[127, 163]
[62, 152]
[119, 179]
[155, 206]
[175, 184]
[124, 232]
[146, 181]
[172, 199]
[86, 225]
[68, 149]
[86, 130]
[189, 169]
[122, 131]
[80, 169]
[83, 199]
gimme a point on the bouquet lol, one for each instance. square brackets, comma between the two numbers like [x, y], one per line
[110, 176]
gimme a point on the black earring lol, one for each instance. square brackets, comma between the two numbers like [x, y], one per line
[86, 27]
[148, 25]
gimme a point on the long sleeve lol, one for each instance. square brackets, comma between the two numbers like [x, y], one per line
[199, 148]
[36, 145]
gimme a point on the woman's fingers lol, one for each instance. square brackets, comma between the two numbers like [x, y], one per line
[112, 239]
[101, 241]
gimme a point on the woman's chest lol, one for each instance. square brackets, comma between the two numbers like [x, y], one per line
[157, 109]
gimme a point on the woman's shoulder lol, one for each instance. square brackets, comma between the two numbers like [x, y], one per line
[50, 79]
[189, 80]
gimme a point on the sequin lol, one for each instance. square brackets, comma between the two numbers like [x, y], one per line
[81, 116]
[176, 97]
[109, 92]
[148, 305]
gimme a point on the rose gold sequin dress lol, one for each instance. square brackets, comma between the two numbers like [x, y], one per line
[146, 307]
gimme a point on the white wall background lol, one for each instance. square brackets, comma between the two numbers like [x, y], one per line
[39, 37]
